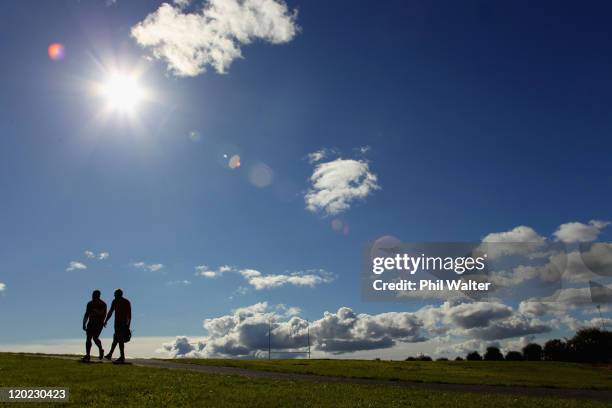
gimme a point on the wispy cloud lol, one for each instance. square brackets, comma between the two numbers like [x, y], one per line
[148, 267]
[214, 34]
[75, 265]
[336, 184]
[205, 271]
[2, 287]
[321, 154]
[261, 281]
[179, 283]
[101, 256]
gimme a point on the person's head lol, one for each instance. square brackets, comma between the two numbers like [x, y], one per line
[118, 293]
[96, 294]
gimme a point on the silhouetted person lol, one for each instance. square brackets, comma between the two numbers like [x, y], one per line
[93, 321]
[123, 317]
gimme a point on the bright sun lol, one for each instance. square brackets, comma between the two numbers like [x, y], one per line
[122, 92]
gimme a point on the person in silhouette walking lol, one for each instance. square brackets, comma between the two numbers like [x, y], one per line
[93, 321]
[123, 318]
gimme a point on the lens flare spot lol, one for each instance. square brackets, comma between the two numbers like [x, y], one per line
[56, 51]
[195, 136]
[339, 226]
[261, 175]
[234, 162]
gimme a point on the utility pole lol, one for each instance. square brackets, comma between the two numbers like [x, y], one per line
[269, 339]
[308, 335]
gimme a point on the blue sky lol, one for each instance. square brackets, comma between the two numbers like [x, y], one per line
[477, 118]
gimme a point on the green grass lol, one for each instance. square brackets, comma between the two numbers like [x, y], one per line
[130, 386]
[542, 373]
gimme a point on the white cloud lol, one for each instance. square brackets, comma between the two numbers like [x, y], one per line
[92, 255]
[456, 327]
[75, 265]
[319, 155]
[205, 271]
[245, 332]
[214, 34]
[518, 234]
[573, 232]
[346, 331]
[148, 267]
[2, 287]
[261, 281]
[336, 184]
[521, 240]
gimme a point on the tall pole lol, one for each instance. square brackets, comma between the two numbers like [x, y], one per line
[308, 334]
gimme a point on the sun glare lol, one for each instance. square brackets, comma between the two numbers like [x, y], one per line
[122, 92]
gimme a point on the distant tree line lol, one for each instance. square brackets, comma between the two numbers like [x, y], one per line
[589, 345]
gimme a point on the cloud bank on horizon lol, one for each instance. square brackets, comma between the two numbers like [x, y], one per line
[214, 34]
[458, 325]
[461, 326]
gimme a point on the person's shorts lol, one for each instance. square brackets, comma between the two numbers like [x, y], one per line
[122, 333]
[94, 328]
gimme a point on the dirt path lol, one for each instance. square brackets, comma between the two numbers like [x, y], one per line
[602, 395]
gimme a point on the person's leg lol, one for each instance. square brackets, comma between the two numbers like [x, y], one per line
[99, 344]
[121, 350]
[110, 353]
[88, 345]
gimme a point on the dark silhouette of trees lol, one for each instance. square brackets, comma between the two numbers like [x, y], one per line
[590, 345]
[514, 356]
[532, 352]
[473, 356]
[493, 354]
[555, 350]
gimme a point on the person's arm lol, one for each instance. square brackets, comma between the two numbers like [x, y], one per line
[110, 313]
[129, 314]
[85, 317]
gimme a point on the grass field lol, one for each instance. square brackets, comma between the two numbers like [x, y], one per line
[543, 373]
[106, 385]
